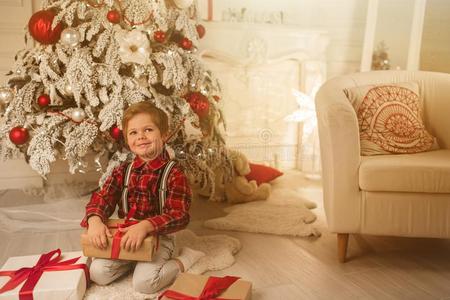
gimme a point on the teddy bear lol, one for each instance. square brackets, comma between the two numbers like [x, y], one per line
[239, 189]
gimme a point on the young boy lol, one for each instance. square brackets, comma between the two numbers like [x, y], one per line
[145, 129]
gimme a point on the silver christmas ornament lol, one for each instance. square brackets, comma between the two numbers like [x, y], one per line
[70, 37]
[81, 167]
[198, 152]
[183, 3]
[180, 154]
[68, 90]
[6, 95]
[78, 115]
[211, 151]
[98, 164]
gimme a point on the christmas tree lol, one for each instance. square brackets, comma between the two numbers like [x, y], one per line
[380, 57]
[90, 60]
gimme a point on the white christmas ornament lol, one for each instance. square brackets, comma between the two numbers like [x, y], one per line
[134, 47]
[6, 95]
[68, 90]
[70, 37]
[78, 115]
[183, 3]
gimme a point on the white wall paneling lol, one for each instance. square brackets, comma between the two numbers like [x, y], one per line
[14, 15]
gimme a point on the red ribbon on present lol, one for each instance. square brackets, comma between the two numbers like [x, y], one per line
[31, 275]
[213, 288]
[115, 247]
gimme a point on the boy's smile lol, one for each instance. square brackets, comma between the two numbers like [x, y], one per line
[144, 137]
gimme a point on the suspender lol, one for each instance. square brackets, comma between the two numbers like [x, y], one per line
[162, 186]
[126, 180]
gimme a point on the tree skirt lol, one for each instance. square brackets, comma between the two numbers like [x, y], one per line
[219, 250]
[283, 213]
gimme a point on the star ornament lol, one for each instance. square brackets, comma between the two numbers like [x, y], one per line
[134, 47]
[306, 112]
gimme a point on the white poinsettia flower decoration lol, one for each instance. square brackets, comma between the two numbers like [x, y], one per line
[134, 46]
[306, 112]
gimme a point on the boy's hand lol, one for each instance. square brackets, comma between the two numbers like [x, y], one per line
[97, 232]
[135, 234]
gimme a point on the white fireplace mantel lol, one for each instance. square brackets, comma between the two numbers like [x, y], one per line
[259, 66]
[278, 40]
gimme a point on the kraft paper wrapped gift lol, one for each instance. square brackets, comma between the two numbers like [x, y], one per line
[144, 253]
[53, 284]
[190, 285]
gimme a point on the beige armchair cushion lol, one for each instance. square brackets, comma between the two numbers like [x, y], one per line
[426, 172]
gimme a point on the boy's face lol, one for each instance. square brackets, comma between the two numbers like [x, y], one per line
[144, 137]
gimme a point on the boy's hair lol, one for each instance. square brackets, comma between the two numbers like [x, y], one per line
[158, 116]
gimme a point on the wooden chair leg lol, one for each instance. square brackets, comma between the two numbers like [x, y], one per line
[342, 239]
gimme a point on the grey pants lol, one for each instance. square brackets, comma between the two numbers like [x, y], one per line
[148, 277]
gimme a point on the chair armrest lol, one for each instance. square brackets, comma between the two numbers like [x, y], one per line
[340, 154]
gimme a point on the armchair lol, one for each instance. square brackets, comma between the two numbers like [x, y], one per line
[397, 195]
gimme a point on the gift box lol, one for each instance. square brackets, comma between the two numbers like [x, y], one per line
[49, 276]
[144, 253]
[189, 286]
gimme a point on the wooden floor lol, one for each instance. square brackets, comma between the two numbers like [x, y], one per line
[286, 268]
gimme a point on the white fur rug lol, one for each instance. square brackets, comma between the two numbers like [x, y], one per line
[219, 251]
[285, 212]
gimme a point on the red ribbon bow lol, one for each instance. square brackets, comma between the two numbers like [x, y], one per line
[31, 275]
[213, 288]
[115, 247]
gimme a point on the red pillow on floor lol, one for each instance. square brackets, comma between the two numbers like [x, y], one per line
[262, 173]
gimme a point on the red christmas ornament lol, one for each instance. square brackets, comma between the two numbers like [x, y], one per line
[159, 36]
[40, 27]
[115, 133]
[43, 100]
[199, 103]
[113, 16]
[185, 43]
[201, 30]
[19, 135]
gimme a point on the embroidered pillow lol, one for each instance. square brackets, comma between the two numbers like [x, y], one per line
[390, 119]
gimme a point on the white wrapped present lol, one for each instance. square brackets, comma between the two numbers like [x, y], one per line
[50, 276]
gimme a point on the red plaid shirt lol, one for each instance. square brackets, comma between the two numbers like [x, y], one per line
[143, 191]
